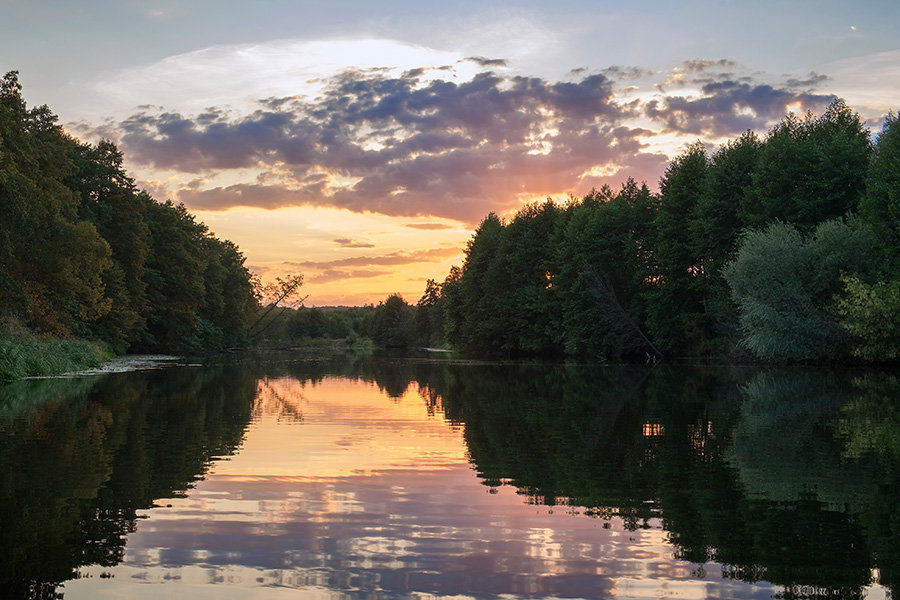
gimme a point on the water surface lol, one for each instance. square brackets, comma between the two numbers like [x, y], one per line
[378, 478]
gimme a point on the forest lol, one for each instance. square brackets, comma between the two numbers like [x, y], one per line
[777, 248]
[782, 248]
[85, 255]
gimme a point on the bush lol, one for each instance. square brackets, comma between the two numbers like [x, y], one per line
[784, 287]
[870, 314]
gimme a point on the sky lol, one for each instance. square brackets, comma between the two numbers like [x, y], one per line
[361, 143]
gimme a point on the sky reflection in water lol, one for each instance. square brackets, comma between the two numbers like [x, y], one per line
[340, 491]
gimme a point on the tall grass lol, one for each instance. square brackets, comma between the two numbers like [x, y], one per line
[24, 355]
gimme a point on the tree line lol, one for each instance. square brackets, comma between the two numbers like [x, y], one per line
[85, 254]
[783, 247]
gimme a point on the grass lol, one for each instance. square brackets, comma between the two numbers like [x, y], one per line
[25, 355]
[21, 397]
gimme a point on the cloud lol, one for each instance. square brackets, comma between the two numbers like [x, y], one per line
[699, 65]
[394, 258]
[425, 142]
[487, 62]
[332, 275]
[348, 243]
[429, 226]
[238, 74]
[403, 145]
[727, 108]
[811, 80]
[871, 82]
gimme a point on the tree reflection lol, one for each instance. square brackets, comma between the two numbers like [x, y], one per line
[785, 476]
[78, 465]
[788, 477]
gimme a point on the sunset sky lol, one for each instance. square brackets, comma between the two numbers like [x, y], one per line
[360, 143]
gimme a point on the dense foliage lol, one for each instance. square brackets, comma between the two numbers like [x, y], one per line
[785, 246]
[84, 253]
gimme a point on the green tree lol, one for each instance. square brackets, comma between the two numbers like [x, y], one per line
[784, 287]
[602, 251]
[51, 261]
[716, 226]
[880, 205]
[870, 314]
[393, 323]
[429, 316]
[109, 200]
[674, 310]
[809, 170]
[472, 324]
[517, 286]
[175, 289]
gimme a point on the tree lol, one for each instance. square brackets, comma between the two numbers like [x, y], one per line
[880, 205]
[675, 313]
[715, 224]
[601, 253]
[784, 287]
[51, 261]
[286, 289]
[809, 170]
[109, 200]
[870, 314]
[429, 316]
[472, 324]
[518, 283]
[392, 324]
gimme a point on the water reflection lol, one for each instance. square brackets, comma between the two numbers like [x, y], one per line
[80, 457]
[390, 478]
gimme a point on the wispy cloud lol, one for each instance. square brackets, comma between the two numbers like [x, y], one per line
[488, 62]
[348, 243]
[332, 275]
[429, 226]
[392, 259]
[810, 81]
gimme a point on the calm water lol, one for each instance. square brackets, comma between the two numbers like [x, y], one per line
[376, 478]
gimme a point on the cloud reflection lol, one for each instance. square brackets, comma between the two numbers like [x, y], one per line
[372, 495]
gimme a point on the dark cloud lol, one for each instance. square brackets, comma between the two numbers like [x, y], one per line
[487, 62]
[730, 101]
[254, 195]
[348, 243]
[701, 71]
[404, 145]
[699, 65]
[812, 80]
[623, 73]
[729, 107]
[412, 145]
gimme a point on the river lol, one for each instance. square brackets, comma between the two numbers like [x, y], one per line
[375, 477]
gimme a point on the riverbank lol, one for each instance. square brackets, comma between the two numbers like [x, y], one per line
[25, 355]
